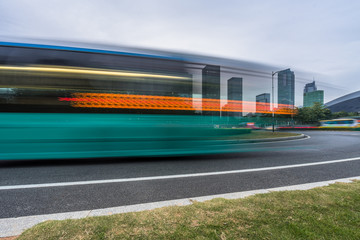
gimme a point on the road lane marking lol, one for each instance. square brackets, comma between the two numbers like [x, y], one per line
[15, 226]
[122, 180]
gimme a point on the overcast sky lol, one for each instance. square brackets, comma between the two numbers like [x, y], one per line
[318, 36]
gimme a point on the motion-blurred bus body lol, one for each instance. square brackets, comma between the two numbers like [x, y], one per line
[78, 100]
[60, 101]
[348, 122]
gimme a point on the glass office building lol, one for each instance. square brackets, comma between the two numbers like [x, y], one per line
[286, 87]
[312, 95]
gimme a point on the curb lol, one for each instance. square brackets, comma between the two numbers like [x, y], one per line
[273, 139]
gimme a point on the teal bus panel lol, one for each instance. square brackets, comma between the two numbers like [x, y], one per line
[95, 135]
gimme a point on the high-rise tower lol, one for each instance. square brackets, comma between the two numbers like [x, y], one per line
[310, 87]
[312, 95]
[211, 86]
[286, 88]
[235, 92]
[263, 103]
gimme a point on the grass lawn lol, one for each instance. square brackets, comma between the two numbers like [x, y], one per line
[264, 134]
[331, 212]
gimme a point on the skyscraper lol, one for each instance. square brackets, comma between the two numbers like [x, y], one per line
[211, 86]
[286, 87]
[312, 95]
[235, 89]
[263, 103]
[310, 87]
[235, 93]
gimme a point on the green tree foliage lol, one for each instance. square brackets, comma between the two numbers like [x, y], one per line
[340, 114]
[312, 115]
[344, 114]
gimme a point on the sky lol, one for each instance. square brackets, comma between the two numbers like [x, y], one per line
[321, 38]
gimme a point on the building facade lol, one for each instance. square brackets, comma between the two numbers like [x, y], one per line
[286, 87]
[235, 89]
[347, 103]
[263, 103]
[211, 86]
[235, 92]
[312, 95]
[310, 87]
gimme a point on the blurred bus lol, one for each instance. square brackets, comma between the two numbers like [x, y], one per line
[83, 101]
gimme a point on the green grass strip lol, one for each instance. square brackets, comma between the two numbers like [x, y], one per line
[331, 212]
[263, 134]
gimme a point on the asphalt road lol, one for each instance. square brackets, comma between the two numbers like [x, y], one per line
[322, 146]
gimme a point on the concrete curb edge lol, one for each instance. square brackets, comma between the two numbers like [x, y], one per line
[273, 139]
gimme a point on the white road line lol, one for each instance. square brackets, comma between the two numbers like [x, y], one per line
[15, 226]
[122, 180]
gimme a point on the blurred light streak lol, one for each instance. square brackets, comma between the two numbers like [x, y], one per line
[89, 71]
[125, 101]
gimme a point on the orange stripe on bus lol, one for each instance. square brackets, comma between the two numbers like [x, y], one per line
[124, 101]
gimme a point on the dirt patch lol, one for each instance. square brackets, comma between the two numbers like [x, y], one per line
[8, 238]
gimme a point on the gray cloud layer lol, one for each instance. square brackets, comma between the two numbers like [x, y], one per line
[319, 36]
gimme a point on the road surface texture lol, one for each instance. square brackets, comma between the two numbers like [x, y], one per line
[44, 187]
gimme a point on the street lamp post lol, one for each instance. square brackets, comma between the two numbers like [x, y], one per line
[273, 103]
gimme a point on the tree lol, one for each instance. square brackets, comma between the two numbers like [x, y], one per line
[340, 114]
[344, 114]
[312, 115]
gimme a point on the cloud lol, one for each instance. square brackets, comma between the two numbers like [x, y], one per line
[318, 36]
